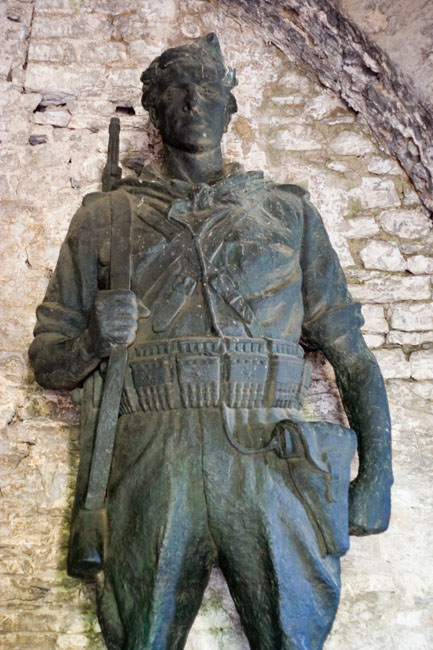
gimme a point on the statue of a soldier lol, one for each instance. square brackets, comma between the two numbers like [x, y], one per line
[198, 281]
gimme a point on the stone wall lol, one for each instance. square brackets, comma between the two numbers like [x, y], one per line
[334, 39]
[69, 65]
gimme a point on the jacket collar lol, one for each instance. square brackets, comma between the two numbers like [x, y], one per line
[231, 189]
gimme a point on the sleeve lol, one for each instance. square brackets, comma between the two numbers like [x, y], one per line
[55, 354]
[329, 310]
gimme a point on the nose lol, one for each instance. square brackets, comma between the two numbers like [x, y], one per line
[191, 98]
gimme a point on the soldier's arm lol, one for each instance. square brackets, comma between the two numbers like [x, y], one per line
[364, 398]
[62, 362]
[332, 322]
[78, 324]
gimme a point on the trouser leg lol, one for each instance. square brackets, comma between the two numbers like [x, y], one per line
[160, 552]
[286, 593]
[108, 614]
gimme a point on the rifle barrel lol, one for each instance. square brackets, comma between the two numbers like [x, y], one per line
[112, 171]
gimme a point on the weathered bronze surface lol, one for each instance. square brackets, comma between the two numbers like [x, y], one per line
[197, 282]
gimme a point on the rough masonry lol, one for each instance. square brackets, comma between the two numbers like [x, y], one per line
[53, 134]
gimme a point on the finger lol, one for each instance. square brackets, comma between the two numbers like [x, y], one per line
[122, 323]
[143, 311]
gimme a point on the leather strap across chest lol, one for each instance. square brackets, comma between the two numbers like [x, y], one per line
[200, 241]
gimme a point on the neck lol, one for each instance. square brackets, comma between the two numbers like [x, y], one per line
[199, 167]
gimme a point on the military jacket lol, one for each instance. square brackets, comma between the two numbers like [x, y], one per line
[243, 258]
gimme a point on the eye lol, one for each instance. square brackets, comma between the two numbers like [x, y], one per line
[208, 89]
[173, 91]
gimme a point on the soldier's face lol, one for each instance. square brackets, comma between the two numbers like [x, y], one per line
[191, 108]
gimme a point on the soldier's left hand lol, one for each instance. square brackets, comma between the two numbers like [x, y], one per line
[369, 504]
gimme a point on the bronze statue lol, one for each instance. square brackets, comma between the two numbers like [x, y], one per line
[197, 282]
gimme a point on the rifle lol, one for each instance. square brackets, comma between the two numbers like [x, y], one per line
[99, 416]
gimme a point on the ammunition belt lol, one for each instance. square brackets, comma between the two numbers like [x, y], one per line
[200, 373]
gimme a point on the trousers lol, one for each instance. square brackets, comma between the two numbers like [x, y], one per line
[181, 500]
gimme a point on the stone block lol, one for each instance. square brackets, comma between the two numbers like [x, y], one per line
[94, 122]
[393, 364]
[407, 224]
[105, 53]
[9, 160]
[392, 289]
[350, 143]
[374, 341]
[125, 77]
[410, 248]
[58, 27]
[288, 100]
[297, 138]
[138, 50]
[53, 154]
[420, 264]
[55, 78]
[28, 640]
[382, 255]
[326, 105]
[30, 101]
[396, 337]
[410, 197]
[376, 193]
[6, 189]
[359, 228]
[72, 642]
[51, 52]
[86, 168]
[379, 165]
[295, 80]
[56, 117]
[425, 391]
[338, 167]
[375, 322]
[50, 98]
[421, 364]
[411, 317]
[56, 7]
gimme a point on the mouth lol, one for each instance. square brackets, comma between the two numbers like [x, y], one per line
[193, 118]
[193, 123]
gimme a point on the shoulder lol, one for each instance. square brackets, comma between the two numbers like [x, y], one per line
[286, 200]
[92, 216]
[294, 190]
[310, 214]
[290, 193]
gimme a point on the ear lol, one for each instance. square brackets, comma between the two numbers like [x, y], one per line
[228, 117]
[153, 116]
[231, 107]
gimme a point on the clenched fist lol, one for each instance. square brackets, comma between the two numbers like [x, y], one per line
[112, 322]
[370, 503]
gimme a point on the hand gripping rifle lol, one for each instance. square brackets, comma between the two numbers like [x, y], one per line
[99, 416]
